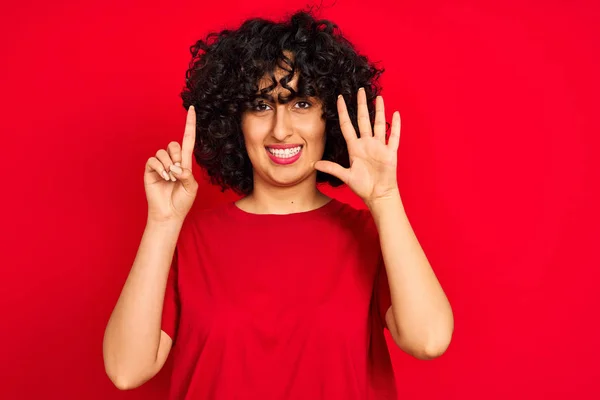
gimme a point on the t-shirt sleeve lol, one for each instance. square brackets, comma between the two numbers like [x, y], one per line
[170, 313]
[383, 298]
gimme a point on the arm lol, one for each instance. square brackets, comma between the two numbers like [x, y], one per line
[134, 347]
[420, 318]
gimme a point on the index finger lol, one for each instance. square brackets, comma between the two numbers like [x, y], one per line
[189, 139]
[346, 126]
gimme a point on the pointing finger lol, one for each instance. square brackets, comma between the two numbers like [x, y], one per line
[189, 139]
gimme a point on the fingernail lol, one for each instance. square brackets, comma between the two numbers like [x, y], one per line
[176, 169]
[178, 164]
[165, 175]
[362, 88]
[339, 95]
[191, 107]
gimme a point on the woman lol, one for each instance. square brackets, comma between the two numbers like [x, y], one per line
[285, 293]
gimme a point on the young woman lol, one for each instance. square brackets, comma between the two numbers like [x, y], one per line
[285, 293]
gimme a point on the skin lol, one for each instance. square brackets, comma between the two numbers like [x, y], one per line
[420, 319]
[134, 347]
[282, 189]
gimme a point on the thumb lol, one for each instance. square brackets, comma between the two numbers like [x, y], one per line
[185, 176]
[334, 169]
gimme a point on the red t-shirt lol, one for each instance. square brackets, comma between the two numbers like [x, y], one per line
[278, 307]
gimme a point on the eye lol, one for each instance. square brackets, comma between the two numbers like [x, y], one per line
[259, 106]
[306, 103]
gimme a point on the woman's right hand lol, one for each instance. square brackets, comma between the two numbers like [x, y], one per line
[168, 180]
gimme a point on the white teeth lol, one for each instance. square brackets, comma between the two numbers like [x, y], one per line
[287, 153]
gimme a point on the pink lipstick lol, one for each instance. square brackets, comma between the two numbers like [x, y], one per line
[284, 154]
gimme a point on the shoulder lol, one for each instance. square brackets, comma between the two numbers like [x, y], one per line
[360, 218]
[358, 221]
[360, 225]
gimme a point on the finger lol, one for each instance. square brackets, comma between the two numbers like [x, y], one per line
[345, 124]
[186, 177]
[334, 169]
[166, 161]
[189, 139]
[364, 123]
[154, 165]
[379, 127]
[394, 140]
[174, 150]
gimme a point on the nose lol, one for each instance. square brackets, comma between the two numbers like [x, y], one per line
[283, 124]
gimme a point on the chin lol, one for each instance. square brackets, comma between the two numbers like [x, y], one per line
[282, 175]
[288, 177]
[290, 180]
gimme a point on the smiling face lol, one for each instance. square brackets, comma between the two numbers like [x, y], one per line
[284, 141]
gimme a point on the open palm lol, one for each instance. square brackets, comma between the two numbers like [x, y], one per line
[372, 172]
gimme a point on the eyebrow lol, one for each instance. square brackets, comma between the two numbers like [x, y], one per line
[271, 98]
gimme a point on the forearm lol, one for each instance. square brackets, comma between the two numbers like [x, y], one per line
[132, 334]
[421, 311]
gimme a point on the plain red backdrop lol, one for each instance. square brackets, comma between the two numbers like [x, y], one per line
[499, 106]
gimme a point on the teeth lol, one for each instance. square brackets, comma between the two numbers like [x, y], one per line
[287, 153]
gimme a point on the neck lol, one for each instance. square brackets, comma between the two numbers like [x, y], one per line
[269, 199]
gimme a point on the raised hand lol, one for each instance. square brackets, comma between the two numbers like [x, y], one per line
[372, 172]
[168, 180]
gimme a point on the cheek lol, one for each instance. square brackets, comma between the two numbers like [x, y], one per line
[321, 137]
[315, 130]
[252, 133]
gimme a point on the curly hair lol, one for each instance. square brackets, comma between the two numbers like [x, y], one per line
[222, 83]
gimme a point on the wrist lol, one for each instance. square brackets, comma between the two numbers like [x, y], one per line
[382, 206]
[169, 224]
[389, 197]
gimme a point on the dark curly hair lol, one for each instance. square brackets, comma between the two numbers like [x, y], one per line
[222, 83]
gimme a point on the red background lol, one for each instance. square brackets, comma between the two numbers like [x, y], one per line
[499, 106]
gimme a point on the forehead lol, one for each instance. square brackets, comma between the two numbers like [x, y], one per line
[279, 73]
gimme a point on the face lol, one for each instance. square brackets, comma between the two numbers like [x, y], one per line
[283, 141]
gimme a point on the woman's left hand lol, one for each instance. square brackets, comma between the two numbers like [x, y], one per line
[372, 172]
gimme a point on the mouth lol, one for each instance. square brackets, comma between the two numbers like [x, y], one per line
[284, 155]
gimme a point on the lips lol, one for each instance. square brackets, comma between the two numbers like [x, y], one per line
[284, 154]
[283, 146]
